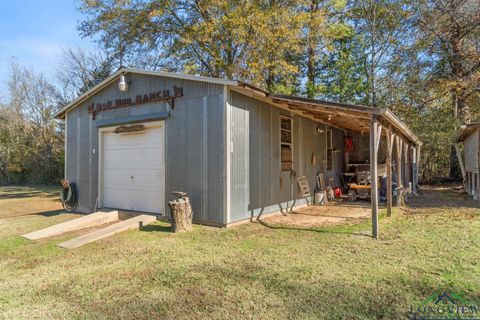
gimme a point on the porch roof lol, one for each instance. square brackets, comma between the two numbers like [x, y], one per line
[465, 130]
[341, 115]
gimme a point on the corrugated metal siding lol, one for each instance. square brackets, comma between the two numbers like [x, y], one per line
[471, 152]
[194, 142]
[258, 185]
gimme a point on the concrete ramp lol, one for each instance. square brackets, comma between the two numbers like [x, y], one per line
[132, 223]
[90, 220]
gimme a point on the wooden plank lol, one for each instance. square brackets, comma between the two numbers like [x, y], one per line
[379, 135]
[87, 221]
[389, 172]
[129, 224]
[406, 149]
[414, 169]
[460, 161]
[399, 167]
[419, 163]
[374, 173]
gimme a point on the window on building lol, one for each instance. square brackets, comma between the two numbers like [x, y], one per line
[329, 149]
[286, 144]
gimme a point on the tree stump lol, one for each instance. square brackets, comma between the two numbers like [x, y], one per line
[181, 214]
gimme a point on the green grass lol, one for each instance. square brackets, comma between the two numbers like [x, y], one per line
[253, 271]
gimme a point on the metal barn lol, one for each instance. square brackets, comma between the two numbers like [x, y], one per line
[235, 149]
[469, 135]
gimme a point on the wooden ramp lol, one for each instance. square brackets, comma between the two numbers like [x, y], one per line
[132, 223]
[90, 220]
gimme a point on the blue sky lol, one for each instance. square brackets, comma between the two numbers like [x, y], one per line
[35, 32]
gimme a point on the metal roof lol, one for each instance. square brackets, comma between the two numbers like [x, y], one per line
[122, 71]
[465, 130]
[341, 115]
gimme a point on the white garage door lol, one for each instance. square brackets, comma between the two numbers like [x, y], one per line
[134, 170]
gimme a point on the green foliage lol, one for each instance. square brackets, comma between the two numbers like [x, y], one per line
[420, 59]
[435, 126]
[343, 74]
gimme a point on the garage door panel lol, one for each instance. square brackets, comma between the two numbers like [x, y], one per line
[134, 170]
[147, 201]
[110, 140]
[117, 159]
[155, 157]
[147, 181]
[114, 179]
[117, 198]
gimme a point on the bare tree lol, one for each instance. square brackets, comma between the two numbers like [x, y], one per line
[31, 140]
[80, 70]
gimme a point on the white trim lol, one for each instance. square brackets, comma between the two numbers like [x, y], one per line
[228, 150]
[124, 71]
[100, 168]
[148, 125]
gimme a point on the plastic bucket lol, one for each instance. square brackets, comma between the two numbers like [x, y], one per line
[319, 197]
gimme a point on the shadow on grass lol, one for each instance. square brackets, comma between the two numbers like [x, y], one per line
[347, 229]
[51, 213]
[156, 228]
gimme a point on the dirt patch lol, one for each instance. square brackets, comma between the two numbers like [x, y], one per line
[442, 197]
[431, 198]
[327, 215]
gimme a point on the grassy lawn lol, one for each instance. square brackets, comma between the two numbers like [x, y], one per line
[254, 271]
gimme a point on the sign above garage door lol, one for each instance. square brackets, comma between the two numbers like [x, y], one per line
[161, 95]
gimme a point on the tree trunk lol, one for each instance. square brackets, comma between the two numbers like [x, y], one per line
[181, 214]
[311, 47]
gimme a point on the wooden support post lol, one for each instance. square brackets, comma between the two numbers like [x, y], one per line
[414, 169]
[406, 176]
[399, 168]
[374, 142]
[419, 165]
[462, 166]
[389, 172]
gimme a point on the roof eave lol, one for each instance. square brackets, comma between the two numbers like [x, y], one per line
[60, 114]
[392, 118]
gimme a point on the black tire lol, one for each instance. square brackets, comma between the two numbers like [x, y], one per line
[69, 198]
[66, 195]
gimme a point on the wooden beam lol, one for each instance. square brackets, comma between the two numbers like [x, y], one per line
[419, 163]
[379, 135]
[405, 159]
[462, 166]
[389, 172]
[414, 169]
[374, 174]
[399, 167]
